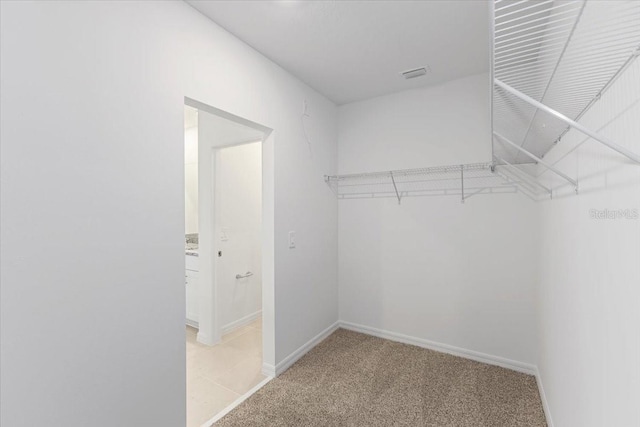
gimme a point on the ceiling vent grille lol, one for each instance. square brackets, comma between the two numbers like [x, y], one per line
[416, 72]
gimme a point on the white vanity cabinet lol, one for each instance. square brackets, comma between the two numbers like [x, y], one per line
[191, 289]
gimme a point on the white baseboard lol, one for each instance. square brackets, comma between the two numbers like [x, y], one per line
[543, 398]
[443, 348]
[206, 339]
[192, 323]
[241, 322]
[304, 349]
[268, 370]
[236, 402]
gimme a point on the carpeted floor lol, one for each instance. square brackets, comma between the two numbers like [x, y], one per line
[352, 379]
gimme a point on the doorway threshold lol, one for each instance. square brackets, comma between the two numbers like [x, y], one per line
[235, 403]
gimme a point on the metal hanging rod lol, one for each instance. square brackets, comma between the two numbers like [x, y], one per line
[552, 61]
[527, 178]
[603, 90]
[606, 141]
[538, 160]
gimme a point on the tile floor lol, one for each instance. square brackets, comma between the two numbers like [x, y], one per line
[218, 375]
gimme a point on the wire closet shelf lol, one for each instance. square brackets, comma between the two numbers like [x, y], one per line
[551, 61]
[460, 180]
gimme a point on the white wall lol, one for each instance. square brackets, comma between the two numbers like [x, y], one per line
[92, 266]
[191, 179]
[439, 125]
[239, 188]
[589, 293]
[432, 268]
[439, 270]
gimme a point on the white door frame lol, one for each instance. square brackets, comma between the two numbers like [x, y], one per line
[210, 324]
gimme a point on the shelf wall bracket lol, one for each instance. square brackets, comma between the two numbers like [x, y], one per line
[462, 182]
[478, 191]
[525, 177]
[603, 140]
[395, 187]
[537, 159]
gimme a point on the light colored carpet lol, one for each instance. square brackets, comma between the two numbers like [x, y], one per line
[352, 379]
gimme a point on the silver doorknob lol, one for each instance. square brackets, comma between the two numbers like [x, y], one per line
[242, 276]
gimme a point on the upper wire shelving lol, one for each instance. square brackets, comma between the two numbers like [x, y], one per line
[551, 61]
[460, 180]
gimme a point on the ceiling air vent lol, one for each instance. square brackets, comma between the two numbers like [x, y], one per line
[416, 72]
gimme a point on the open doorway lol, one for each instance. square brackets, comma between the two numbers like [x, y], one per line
[224, 241]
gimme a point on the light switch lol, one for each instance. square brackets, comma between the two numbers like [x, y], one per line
[292, 240]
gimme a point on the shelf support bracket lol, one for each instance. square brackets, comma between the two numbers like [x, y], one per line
[478, 191]
[394, 186]
[462, 182]
[537, 159]
[603, 140]
[521, 174]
